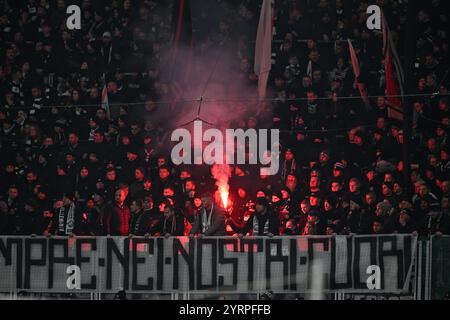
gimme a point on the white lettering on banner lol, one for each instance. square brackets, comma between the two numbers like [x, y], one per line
[203, 265]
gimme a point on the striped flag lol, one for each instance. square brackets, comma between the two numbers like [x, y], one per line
[394, 81]
[182, 54]
[182, 22]
[104, 99]
[263, 49]
[357, 72]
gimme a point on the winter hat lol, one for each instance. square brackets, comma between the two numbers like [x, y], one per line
[339, 166]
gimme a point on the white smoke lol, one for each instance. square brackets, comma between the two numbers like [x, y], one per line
[222, 173]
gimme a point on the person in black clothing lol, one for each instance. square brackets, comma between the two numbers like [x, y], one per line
[210, 219]
[110, 183]
[263, 222]
[144, 220]
[360, 152]
[164, 179]
[136, 188]
[136, 216]
[84, 184]
[172, 224]
[14, 207]
[88, 223]
[101, 147]
[404, 223]
[437, 223]
[147, 188]
[75, 147]
[3, 217]
[355, 219]
[47, 221]
[332, 213]
[302, 215]
[315, 224]
[377, 226]
[386, 212]
[290, 228]
[64, 217]
[32, 219]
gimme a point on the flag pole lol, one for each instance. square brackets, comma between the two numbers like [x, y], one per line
[409, 49]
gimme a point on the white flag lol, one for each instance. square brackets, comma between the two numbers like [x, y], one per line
[104, 100]
[263, 49]
[309, 69]
[357, 72]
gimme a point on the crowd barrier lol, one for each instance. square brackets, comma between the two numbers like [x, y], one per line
[356, 265]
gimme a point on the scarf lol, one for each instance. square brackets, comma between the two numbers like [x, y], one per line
[206, 220]
[68, 226]
[148, 153]
[256, 226]
[109, 53]
[172, 229]
[138, 223]
[433, 225]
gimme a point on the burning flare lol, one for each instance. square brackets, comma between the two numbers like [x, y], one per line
[224, 197]
[222, 173]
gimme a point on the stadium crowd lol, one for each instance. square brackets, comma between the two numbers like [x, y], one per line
[70, 168]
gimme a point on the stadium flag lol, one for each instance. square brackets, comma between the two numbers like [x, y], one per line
[309, 69]
[104, 99]
[263, 49]
[356, 71]
[181, 40]
[394, 81]
[182, 22]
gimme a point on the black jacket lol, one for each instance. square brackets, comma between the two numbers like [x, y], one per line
[32, 223]
[87, 222]
[270, 216]
[357, 221]
[217, 226]
[146, 221]
[440, 224]
[173, 226]
[62, 223]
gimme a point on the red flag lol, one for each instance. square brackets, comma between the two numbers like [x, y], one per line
[394, 81]
[354, 59]
[182, 22]
[263, 49]
[356, 72]
[182, 54]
